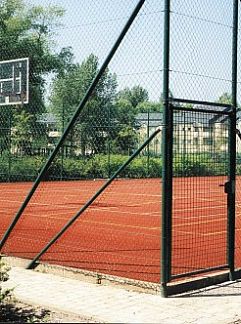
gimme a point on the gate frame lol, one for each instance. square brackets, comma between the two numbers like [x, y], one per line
[167, 153]
[232, 146]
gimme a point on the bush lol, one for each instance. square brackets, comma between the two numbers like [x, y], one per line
[73, 169]
[25, 168]
[20, 168]
[103, 166]
[199, 165]
[4, 276]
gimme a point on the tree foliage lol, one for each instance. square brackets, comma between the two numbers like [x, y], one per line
[148, 106]
[225, 98]
[135, 95]
[68, 90]
[124, 135]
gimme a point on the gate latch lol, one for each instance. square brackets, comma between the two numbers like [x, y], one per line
[228, 187]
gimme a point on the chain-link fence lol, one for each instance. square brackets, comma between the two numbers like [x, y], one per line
[200, 77]
[98, 90]
[119, 233]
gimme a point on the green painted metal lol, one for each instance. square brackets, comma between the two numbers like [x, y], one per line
[226, 111]
[232, 147]
[9, 144]
[91, 200]
[167, 136]
[148, 146]
[199, 102]
[202, 271]
[73, 120]
[109, 142]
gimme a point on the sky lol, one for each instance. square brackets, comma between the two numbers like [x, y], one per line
[201, 43]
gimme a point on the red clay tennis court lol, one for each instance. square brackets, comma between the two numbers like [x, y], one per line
[120, 233]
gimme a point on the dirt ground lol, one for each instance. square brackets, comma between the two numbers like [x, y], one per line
[18, 312]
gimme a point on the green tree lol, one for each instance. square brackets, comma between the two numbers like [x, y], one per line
[5, 119]
[22, 135]
[148, 106]
[135, 95]
[124, 130]
[225, 98]
[91, 130]
[129, 102]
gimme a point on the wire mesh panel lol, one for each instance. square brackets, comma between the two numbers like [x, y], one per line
[238, 165]
[200, 78]
[55, 159]
[238, 202]
[199, 220]
[119, 234]
[201, 49]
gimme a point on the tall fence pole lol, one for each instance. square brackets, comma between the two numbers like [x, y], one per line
[166, 159]
[73, 120]
[9, 143]
[232, 147]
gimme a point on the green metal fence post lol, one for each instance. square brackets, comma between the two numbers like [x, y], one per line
[9, 144]
[62, 149]
[148, 146]
[232, 147]
[166, 159]
[109, 139]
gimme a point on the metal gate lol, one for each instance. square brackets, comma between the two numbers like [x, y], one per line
[200, 241]
[199, 146]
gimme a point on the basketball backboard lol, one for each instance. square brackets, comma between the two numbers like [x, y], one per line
[14, 82]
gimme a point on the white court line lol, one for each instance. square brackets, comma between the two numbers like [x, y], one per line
[201, 234]
[109, 207]
[200, 208]
[102, 226]
[158, 215]
[211, 200]
[54, 204]
[198, 223]
[111, 211]
[153, 228]
[100, 208]
[199, 216]
[60, 206]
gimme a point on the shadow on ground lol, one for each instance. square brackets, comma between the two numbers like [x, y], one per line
[18, 313]
[226, 289]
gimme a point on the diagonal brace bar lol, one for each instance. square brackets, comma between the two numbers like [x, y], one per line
[90, 201]
[73, 120]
